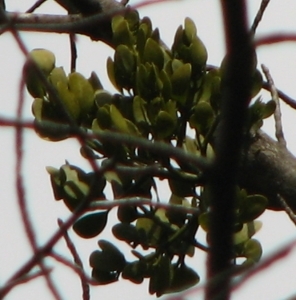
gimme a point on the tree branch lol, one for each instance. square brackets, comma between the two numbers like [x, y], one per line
[269, 169]
[277, 114]
[236, 87]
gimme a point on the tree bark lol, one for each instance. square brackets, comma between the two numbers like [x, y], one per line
[269, 169]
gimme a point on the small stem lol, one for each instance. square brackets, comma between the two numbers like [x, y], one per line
[277, 114]
[259, 15]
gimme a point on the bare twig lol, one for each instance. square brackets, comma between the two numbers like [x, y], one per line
[73, 267]
[78, 262]
[73, 48]
[275, 38]
[287, 209]
[259, 15]
[265, 263]
[108, 204]
[287, 99]
[27, 278]
[22, 202]
[277, 114]
[35, 6]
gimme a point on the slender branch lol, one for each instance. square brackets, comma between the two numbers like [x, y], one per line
[259, 15]
[27, 278]
[277, 114]
[35, 6]
[78, 262]
[275, 38]
[22, 202]
[73, 267]
[137, 201]
[287, 209]
[265, 263]
[73, 49]
[287, 99]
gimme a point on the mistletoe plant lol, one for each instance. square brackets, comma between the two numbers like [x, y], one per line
[165, 96]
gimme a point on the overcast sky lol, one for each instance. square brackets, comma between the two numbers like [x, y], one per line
[276, 283]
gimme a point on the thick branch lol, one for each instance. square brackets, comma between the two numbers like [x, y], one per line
[270, 169]
[236, 88]
[94, 23]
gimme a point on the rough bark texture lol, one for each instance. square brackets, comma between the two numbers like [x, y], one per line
[270, 169]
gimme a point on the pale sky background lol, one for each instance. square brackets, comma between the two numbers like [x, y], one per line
[276, 283]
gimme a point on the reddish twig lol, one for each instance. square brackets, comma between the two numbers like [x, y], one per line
[27, 278]
[264, 264]
[78, 262]
[74, 267]
[275, 38]
[22, 202]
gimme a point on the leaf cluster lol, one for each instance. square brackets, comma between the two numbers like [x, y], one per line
[162, 93]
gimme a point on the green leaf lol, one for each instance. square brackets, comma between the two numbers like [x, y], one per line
[183, 278]
[125, 66]
[148, 83]
[82, 90]
[178, 40]
[95, 82]
[91, 225]
[164, 125]
[58, 75]
[134, 271]
[69, 100]
[111, 73]
[190, 145]
[118, 120]
[126, 232]
[104, 277]
[74, 186]
[153, 53]
[45, 61]
[189, 30]
[269, 109]
[161, 276]
[110, 259]
[143, 34]
[127, 213]
[204, 221]
[180, 80]
[248, 230]
[252, 207]
[139, 110]
[181, 188]
[257, 82]
[174, 215]
[103, 117]
[55, 182]
[252, 251]
[167, 86]
[198, 55]
[121, 32]
[102, 97]
[202, 118]
[133, 19]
